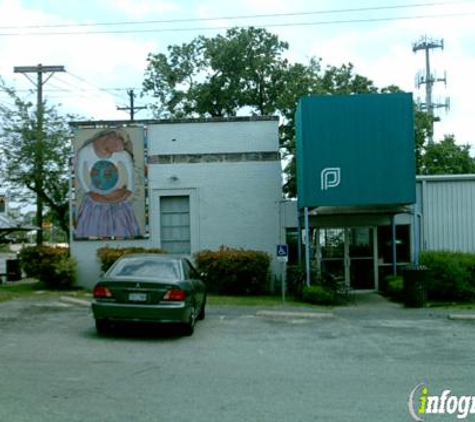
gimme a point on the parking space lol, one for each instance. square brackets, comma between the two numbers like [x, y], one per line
[240, 365]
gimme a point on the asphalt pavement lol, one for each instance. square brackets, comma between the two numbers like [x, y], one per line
[354, 363]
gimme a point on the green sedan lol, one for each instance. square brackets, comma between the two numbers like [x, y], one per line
[149, 288]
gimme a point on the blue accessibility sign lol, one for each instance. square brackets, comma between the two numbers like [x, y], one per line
[282, 251]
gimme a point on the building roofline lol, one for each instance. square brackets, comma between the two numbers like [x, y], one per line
[234, 119]
[446, 178]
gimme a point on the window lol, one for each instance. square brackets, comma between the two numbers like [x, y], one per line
[175, 224]
[140, 267]
[403, 243]
[190, 271]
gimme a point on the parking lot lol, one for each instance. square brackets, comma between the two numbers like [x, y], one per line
[242, 364]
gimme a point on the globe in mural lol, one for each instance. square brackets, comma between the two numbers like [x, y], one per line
[104, 175]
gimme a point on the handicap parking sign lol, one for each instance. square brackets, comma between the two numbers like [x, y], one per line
[282, 251]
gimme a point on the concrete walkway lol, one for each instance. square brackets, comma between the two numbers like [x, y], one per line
[372, 299]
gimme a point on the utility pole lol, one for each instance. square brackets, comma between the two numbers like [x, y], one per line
[39, 148]
[428, 79]
[132, 107]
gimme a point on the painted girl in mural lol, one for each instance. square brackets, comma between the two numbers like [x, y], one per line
[105, 172]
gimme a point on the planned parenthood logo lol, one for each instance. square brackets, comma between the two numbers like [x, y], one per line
[330, 177]
[421, 403]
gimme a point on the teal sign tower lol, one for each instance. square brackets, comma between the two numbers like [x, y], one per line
[355, 150]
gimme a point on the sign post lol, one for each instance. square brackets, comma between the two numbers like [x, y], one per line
[283, 256]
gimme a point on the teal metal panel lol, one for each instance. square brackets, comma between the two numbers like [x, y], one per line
[355, 150]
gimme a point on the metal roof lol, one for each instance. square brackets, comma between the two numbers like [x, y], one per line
[7, 225]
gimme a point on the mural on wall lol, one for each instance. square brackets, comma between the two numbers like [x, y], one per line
[109, 200]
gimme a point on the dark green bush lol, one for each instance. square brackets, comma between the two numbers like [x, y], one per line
[318, 295]
[51, 265]
[452, 275]
[108, 255]
[395, 287]
[234, 271]
[296, 277]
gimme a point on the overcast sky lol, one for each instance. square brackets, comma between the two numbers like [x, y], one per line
[377, 37]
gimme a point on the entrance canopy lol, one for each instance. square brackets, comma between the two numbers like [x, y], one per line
[355, 163]
[363, 216]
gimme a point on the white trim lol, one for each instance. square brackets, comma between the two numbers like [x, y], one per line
[154, 220]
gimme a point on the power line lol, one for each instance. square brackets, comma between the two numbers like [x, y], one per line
[253, 16]
[63, 89]
[66, 93]
[81, 79]
[68, 89]
[98, 92]
[271, 25]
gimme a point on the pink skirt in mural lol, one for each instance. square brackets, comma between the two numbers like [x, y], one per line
[96, 219]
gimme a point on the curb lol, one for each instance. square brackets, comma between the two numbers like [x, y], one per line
[306, 315]
[74, 301]
[462, 317]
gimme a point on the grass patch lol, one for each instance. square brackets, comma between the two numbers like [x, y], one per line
[452, 305]
[36, 290]
[216, 300]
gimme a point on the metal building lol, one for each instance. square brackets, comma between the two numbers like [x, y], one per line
[446, 207]
[358, 243]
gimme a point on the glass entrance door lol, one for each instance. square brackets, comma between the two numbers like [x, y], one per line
[333, 252]
[349, 253]
[362, 259]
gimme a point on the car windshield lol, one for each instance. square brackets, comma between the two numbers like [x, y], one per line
[150, 268]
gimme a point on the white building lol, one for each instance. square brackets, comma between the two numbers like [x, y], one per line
[211, 183]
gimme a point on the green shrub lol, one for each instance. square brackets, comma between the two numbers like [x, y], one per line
[51, 265]
[395, 287]
[4, 247]
[318, 295]
[108, 255]
[234, 271]
[296, 276]
[452, 275]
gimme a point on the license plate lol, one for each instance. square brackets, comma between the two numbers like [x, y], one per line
[138, 297]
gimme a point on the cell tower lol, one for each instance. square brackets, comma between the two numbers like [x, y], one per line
[428, 78]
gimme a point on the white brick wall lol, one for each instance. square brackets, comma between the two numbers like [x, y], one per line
[233, 204]
[200, 138]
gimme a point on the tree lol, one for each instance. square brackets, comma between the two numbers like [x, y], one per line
[217, 76]
[332, 80]
[446, 157]
[243, 70]
[246, 70]
[423, 124]
[27, 171]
